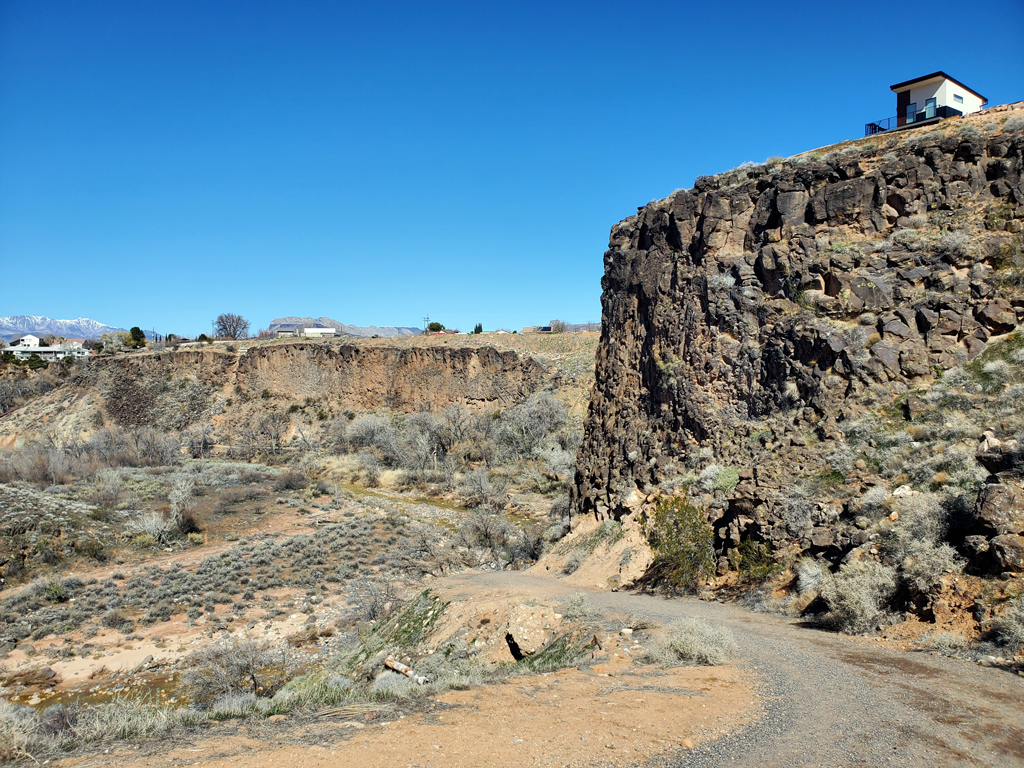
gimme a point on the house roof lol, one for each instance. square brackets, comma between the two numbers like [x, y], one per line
[933, 76]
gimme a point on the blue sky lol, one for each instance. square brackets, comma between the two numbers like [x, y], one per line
[163, 162]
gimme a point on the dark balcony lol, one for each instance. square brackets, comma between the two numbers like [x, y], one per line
[923, 117]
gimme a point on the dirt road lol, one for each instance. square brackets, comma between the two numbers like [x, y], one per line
[838, 701]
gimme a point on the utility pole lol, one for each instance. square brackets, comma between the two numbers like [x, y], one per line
[426, 322]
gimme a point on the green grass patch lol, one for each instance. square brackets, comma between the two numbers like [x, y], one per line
[563, 651]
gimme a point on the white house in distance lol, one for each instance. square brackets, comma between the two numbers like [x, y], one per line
[295, 330]
[28, 340]
[928, 99]
[28, 345]
[319, 333]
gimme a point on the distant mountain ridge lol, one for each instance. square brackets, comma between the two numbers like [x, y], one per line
[79, 328]
[366, 332]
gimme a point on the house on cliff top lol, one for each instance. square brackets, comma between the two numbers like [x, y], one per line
[928, 99]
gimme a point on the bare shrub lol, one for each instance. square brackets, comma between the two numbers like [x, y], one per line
[19, 737]
[482, 489]
[946, 643]
[692, 641]
[573, 563]
[109, 487]
[422, 551]
[1008, 629]
[523, 426]
[557, 460]
[118, 619]
[199, 441]
[182, 502]
[502, 542]
[238, 666]
[857, 595]
[365, 431]
[290, 481]
[380, 598]
[370, 464]
[577, 606]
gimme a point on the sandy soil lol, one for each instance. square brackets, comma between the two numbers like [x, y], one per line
[573, 717]
[559, 719]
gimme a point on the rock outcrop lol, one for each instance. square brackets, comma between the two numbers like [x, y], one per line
[745, 318]
[178, 389]
[413, 379]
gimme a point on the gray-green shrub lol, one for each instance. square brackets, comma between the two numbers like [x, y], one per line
[858, 594]
[691, 641]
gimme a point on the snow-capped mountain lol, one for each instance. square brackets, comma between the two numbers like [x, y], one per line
[80, 328]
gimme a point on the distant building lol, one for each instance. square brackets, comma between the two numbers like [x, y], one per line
[28, 340]
[295, 330]
[319, 333]
[28, 345]
[565, 328]
[928, 99]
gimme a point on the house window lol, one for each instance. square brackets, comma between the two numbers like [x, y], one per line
[911, 112]
[929, 109]
[958, 98]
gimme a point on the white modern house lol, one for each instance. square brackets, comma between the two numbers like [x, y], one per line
[28, 340]
[926, 100]
[28, 345]
[319, 333]
[295, 330]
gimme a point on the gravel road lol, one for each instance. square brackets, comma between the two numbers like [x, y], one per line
[831, 700]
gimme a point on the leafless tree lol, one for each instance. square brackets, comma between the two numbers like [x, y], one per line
[229, 326]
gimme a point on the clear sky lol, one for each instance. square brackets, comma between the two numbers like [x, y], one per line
[163, 162]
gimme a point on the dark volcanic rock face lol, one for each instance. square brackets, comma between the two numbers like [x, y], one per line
[796, 291]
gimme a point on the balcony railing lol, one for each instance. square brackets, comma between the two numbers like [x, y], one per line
[889, 123]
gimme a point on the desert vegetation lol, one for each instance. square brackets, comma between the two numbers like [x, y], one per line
[147, 528]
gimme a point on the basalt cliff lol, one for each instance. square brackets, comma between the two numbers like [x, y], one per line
[793, 335]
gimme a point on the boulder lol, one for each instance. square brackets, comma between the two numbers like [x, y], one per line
[1008, 550]
[998, 316]
[822, 538]
[531, 627]
[999, 508]
[997, 455]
